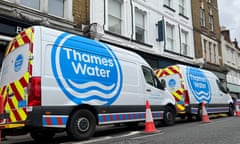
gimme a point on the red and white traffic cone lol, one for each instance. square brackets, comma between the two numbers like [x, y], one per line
[149, 124]
[237, 109]
[204, 113]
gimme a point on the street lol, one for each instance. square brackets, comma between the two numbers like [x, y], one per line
[221, 130]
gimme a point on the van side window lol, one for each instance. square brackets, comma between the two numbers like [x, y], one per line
[221, 87]
[150, 78]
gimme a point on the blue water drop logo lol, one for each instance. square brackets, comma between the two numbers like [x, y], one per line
[172, 83]
[86, 70]
[18, 63]
[199, 85]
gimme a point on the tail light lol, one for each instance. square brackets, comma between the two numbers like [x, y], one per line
[34, 98]
[186, 98]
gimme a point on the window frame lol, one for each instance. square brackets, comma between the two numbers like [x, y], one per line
[44, 8]
[182, 7]
[172, 39]
[143, 27]
[211, 22]
[184, 43]
[115, 17]
[221, 87]
[202, 17]
[154, 80]
[168, 3]
[52, 13]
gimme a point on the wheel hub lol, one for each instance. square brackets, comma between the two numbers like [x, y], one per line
[83, 124]
[169, 116]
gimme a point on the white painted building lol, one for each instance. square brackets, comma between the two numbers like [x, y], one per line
[160, 27]
[231, 59]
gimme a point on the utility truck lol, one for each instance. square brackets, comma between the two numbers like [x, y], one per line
[54, 81]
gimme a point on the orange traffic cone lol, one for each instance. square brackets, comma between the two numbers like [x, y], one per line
[204, 113]
[237, 109]
[149, 124]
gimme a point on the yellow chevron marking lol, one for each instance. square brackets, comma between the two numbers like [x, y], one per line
[29, 34]
[19, 88]
[179, 97]
[159, 72]
[19, 40]
[181, 90]
[12, 116]
[15, 102]
[8, 48]
[26, 77]
[22, 114]
[180, 107]
[176, 68]
[30, 62]
[169, 72]
[13, 125]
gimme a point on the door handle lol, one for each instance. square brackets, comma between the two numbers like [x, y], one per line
[148, 90]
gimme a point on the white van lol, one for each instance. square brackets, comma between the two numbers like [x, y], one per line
[191, 86]
[53, 80]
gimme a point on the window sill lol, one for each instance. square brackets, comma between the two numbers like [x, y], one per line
[117, 35]
[128, 39]
[142, 43]
[182, 15]
[171, 9]
[172, 52]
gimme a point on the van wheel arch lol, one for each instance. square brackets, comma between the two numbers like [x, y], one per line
[87, 107]
[82, 122]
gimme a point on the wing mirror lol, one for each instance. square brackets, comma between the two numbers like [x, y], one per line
[162, 84]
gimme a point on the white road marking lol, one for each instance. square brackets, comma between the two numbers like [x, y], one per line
[147, 135]
[108, 137]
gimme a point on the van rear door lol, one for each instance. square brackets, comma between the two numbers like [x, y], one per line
[15, 76]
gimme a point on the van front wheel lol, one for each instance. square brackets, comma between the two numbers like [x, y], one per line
[169, 116]
[81, 125]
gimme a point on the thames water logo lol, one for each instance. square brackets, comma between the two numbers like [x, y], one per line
[86, 70]
[18, 63]
[199, 85]
[172, 83]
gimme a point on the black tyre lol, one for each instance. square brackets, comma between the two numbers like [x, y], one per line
[81, 125]
[231, 110]
[169, 116]
[189, 117]
[199, 115]
[40, 135]
[182, 116]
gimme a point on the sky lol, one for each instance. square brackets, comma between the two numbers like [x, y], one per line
[229, 16]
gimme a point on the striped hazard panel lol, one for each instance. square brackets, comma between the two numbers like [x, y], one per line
[179, 93]
[15, 93]
[126, 117]
[54, 120]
